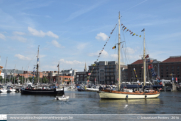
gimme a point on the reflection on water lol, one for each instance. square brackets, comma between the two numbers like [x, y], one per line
[88, 103]
[134, 101]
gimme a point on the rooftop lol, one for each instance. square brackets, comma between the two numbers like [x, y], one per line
[172, 59]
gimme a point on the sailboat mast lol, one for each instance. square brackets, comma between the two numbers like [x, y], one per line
[119, 72]
[144, 61]
[5, 70]
[38, 64]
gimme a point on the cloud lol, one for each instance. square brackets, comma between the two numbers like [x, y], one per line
[56, 44]
[74, 62]
[114, 56]
[2, 36]
[19, 38]
[18, 33]
[129, 50]
[41, 33]
[22, 57]
[103, 54]
[82, 46]
[101, 36]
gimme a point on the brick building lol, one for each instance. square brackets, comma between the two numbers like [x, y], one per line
[171, 68]
[106, 72]
[138, 66]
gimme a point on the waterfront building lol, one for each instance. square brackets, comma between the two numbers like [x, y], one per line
[81, 76]
[105, 72]
[135, 70]
[170, 68]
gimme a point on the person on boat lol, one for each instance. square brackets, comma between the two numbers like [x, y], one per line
[138, 82]
[63, 96]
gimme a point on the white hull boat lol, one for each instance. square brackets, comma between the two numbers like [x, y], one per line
[92, 89]
[11, 90]
[3, 90]
[126, 95]
[61, 97]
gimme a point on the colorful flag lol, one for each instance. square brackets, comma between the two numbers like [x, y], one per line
[150, 66]
[114, 47]
[143, 30]
[147, 56]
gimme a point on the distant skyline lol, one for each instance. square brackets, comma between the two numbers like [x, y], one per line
[73, 32]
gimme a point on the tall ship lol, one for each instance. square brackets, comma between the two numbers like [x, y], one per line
[37, 89]
[122, 93]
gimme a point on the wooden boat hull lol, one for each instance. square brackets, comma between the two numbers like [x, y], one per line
[42, 92]
[126, 95]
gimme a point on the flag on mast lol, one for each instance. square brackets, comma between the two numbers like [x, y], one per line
[114, 47]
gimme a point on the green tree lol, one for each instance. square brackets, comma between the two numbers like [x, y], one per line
[1, 79]
[44, 80]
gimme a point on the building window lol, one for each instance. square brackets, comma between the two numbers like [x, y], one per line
[167, 68]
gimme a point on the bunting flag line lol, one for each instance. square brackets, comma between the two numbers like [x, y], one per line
[131, 33]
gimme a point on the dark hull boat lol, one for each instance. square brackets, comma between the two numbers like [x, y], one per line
[42, 91]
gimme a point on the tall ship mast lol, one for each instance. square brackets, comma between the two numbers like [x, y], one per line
[38, 65]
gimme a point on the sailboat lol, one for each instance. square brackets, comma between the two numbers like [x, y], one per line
[2, 89]
[123, 93]
[41, 90]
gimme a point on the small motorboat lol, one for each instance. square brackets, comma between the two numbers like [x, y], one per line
[10, 89]
[3, 90]
[62, 97]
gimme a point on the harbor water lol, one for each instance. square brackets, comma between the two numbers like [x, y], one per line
[88, 103]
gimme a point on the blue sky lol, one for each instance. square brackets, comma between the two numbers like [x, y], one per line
[73, 32]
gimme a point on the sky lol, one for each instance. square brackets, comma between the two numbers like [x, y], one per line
[73, 32]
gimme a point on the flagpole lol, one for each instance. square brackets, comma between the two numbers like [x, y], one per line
[144, 63]
[58, 73]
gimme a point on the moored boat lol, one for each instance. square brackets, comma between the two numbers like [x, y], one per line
[144, 92]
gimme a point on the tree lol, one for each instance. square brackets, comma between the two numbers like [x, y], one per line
[1, 79]
[44, 80]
